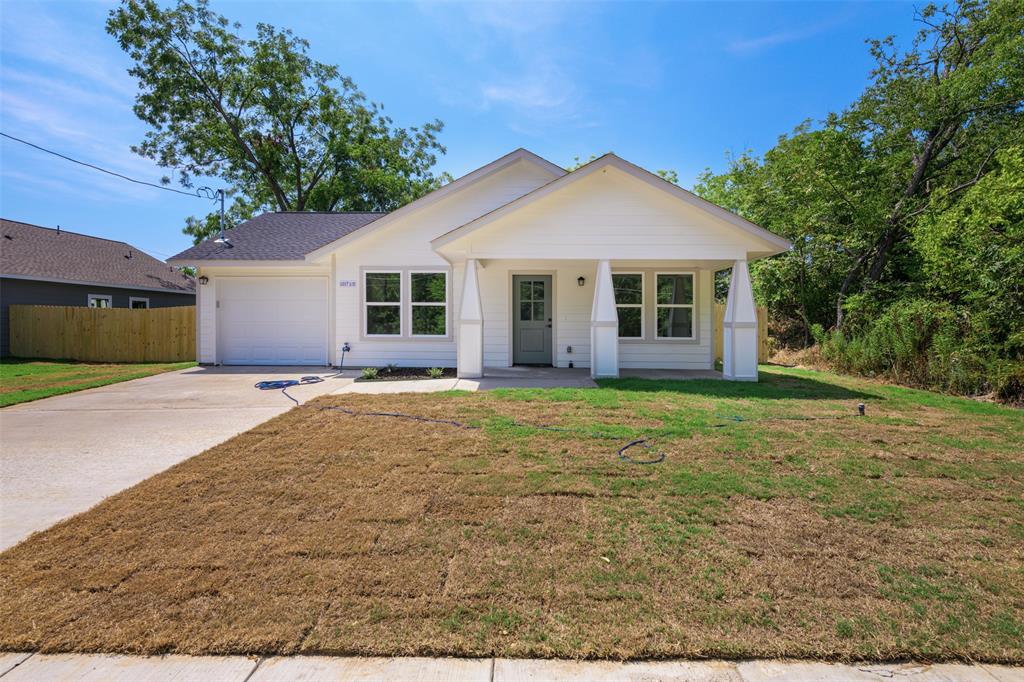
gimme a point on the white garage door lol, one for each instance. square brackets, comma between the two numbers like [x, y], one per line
[272, 320]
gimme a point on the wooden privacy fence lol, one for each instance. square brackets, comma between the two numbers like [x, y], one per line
[762, 332]
[103, 334]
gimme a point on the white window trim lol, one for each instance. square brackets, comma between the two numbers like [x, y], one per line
[691, 306]
[400, 304]
[133, 299]
[105, 297]
[414, 304]
[640, 305]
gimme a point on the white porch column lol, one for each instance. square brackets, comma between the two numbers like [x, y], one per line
[604, 326]
[470, 341]
[739, 328]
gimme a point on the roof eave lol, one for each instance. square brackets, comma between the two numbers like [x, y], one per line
[237, 262]
[110, 285]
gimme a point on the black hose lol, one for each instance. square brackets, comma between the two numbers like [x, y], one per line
[736, 418]
[284, 384]
[642, 442]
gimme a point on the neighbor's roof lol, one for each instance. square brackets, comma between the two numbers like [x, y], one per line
[288, 235]
[43, 253]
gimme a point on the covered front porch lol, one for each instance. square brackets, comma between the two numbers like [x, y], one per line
[611, 318]
[608, 268]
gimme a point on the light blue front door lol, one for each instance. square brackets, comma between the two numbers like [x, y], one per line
[531, 319]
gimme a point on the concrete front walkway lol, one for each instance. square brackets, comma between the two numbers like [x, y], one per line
[520, 377]
[60, 456]
[88, 668]
[494, 377]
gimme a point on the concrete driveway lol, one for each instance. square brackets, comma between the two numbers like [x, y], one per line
[60, 456]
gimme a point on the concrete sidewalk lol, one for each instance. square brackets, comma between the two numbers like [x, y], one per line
[89, 668]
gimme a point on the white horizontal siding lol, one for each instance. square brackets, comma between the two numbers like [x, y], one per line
[206, 321]
[406, 244]
[605, 214]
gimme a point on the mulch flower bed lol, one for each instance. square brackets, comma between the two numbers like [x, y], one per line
[407, 374]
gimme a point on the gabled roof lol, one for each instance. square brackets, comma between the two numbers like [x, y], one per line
[41, 253]
[300, 235]
[777, 243]
[519, 155]
[284, 236]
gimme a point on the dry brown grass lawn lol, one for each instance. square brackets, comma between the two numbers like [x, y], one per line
[897, 535]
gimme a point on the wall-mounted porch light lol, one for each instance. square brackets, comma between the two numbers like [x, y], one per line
[581, 280]
[204, 280]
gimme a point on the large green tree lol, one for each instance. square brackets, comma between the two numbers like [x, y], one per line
[849, 191]
[280, 129]
[934, 117]
[972, 254]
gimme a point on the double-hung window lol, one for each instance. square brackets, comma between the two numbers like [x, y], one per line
[674, 304]
[100, 301]
[382, 293]
[429, 303]
[629, 304]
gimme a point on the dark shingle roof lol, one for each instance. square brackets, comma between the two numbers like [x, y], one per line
[30, 251]
[279, 236]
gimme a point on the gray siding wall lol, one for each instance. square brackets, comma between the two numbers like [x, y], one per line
[28, 292]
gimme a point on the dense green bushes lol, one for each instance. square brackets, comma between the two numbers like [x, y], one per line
[923, 343]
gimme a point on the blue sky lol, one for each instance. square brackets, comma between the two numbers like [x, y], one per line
[665, 85]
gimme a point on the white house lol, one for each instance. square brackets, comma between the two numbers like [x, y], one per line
[519, 262]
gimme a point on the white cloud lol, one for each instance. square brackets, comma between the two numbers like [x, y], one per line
[68, 91]
[81, 184]
[33, 34]
[790, 35]
[542, 94]
[519, 60]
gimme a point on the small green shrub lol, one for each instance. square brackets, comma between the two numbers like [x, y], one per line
[844, 628]
[435, 372]
[1008, 380]
[390, 367]
[370, 372]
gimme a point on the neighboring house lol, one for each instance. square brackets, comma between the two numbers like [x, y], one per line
[44, 266]
[518, 262]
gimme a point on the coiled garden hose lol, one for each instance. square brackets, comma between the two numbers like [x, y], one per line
[284, 384]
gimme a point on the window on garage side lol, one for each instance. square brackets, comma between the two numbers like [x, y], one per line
[674, 305]
[138, 302]
[629, 304]
[429, 302]
[383, 303]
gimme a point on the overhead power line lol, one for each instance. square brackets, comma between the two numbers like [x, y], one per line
[194, 195]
